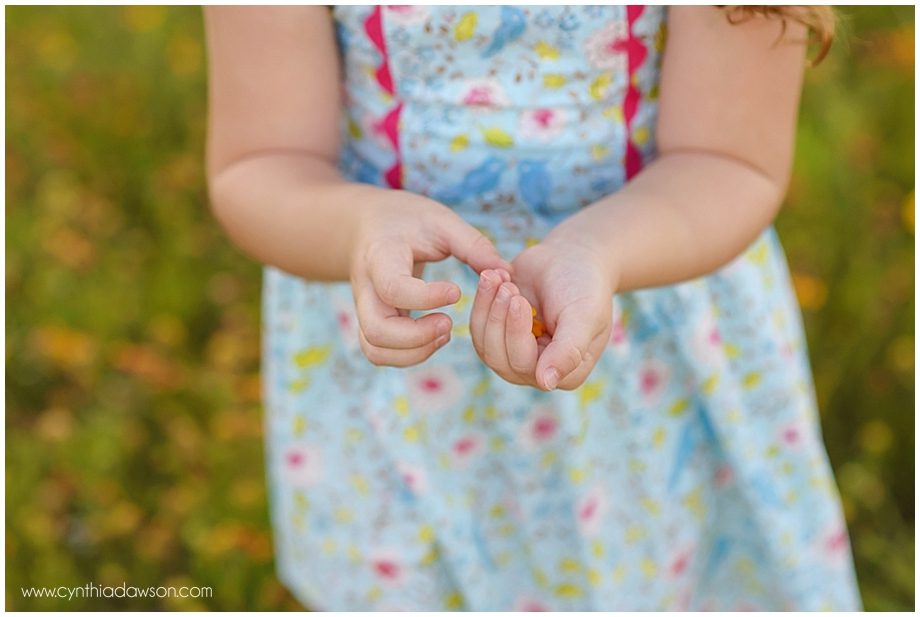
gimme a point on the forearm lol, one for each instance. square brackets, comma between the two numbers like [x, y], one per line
[292, 211]
[683, 216]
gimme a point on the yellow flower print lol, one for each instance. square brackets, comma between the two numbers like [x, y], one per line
[751, 380]
[597, 549]
[359, 483]
[466, 27]
[569, 565]
[661, 37]
[599, 86]
[460, 142]
[651, 505]
[300, 425]
[354, 130]
[454, 601]
[649, 569]
[709, 386]
[401, 405]
[679, 406]
[594, 577]
[311, 356]
[641, 135]
[694, 502]
[553, 80]
[546, 51]
[498, 138]
[568, 590]
[411, 434]
[425, 533]
[590, 392]
[634, 533]
[599, 152]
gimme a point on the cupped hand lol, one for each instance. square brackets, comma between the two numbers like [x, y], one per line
[396, 236]
[572, 288]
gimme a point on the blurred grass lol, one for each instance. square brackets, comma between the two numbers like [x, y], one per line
[133, 422]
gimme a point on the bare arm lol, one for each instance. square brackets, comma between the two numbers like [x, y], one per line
[272, 150]
[273, 138]
[726, 126]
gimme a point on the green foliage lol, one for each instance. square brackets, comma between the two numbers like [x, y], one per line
[133, 420]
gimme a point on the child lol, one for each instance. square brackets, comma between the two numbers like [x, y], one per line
[658, 446]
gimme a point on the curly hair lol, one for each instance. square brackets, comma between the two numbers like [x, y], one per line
[820, 21]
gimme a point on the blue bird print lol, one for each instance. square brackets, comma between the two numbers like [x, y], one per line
[482, 179]
[719, 552]
[510, 28]
[689, 439]
[535, 185]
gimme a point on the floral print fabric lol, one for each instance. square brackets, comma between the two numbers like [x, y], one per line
[688, 472]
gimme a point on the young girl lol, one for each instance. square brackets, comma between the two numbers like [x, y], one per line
[658, 446]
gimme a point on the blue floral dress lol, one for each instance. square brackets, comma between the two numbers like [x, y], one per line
[688, 472]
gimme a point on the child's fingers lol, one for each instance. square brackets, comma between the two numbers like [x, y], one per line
[577, 377]
[390, 266]
[495, 353]
[384, 326]
[470, 246]
[519, 339]
[568, 347]
[399, 357]
[489, 282]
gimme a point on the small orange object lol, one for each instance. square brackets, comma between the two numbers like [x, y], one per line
[537, 328]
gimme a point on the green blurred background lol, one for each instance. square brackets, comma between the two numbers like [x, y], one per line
[133, 443]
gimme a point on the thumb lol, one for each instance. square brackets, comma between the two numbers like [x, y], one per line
[567, 349]
[471, 246]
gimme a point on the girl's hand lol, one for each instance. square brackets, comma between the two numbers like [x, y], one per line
[396, 236]
[572, 288]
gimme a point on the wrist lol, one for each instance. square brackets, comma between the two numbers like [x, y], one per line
[590, 246]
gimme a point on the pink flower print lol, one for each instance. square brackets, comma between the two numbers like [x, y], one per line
[723, 476]
[483, 93]
[414, 477]
[542, 124]
[465, 449]
[606, 47]
[617, 333]
[837, 543]
[652, 380]
[793, 434]
[302, 465]
[408, 15]
[707, 342]
[529, 605]
[433, 388]
[714, 337]
[387, 568]
[680, 563]
[540, 428]
[346, 321]
[590, 510]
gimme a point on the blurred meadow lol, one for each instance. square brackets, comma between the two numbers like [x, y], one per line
[133, 424]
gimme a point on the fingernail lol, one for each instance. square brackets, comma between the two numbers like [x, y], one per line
[504, 293]
[516, 309]
[453, 295]
[443, 327]
[551, 377]
[441, 340]
[484, 283]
